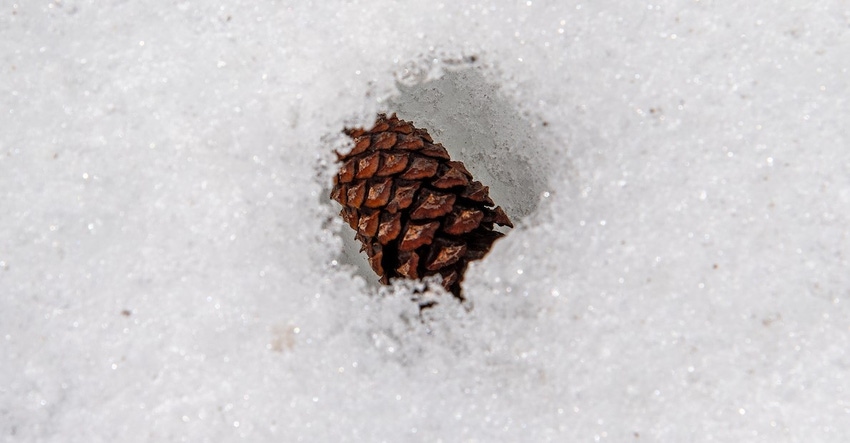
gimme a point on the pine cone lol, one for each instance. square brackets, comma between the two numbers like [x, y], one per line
[416, 212]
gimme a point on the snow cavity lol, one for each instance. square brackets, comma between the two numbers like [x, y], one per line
[480, 126]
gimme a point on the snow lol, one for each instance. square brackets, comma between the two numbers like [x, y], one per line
[171, 268]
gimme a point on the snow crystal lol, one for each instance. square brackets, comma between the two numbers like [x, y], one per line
[171, 268]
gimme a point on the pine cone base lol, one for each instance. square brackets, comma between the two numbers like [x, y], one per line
[416, 212]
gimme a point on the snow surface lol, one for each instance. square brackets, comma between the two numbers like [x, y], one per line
[172, 270]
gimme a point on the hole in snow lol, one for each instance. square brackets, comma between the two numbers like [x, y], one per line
[486, 132]
[479, 127]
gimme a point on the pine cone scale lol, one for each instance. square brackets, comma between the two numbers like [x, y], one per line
[417, 235]
[379, 194]
[368, 224]
[393, 164]
[390, 228]
[463, 220]
[409, 265]
[432, 205]
[411, 143]
[356, 194]
[422, 167]
[446, 255]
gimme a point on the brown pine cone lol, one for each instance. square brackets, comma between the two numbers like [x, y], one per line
[416, 212]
